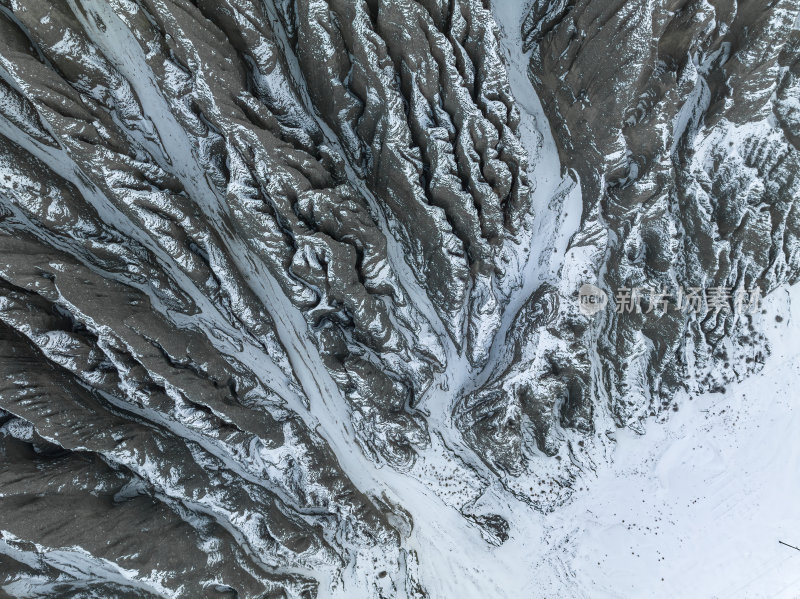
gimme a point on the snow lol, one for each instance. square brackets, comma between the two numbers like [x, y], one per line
[696, 506]
[557, 199]
[556, 202]
[74, 562]
[692, 508]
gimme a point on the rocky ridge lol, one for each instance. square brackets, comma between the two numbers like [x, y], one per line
[267, 314]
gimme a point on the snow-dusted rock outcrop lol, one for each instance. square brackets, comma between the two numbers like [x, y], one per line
[678, 121]
[286, 298]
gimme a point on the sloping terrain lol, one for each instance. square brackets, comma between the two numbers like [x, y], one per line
[289, 290]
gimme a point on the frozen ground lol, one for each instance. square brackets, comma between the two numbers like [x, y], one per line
[696, 506]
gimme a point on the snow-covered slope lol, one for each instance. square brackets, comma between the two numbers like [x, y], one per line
[697, 505]
[289, 296]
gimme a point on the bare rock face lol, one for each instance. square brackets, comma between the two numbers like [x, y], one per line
[268, 322]
[676, 119]
[240, 241]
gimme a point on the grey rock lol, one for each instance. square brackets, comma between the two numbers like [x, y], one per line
[268, 322]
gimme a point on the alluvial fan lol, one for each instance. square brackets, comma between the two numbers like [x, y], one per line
[288, 288]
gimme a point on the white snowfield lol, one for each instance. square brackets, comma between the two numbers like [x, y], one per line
[696, 507]
[703, 503]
